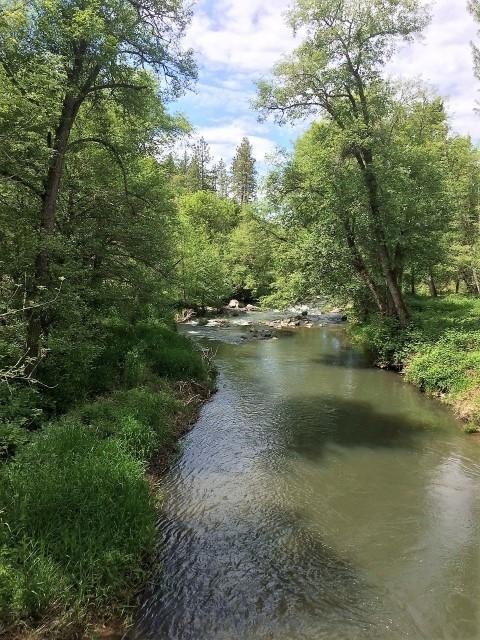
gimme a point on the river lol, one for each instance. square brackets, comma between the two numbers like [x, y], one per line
[317, 499]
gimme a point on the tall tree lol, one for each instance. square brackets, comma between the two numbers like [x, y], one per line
[336, 72]
[222, 179]
[322, 204]
[199, 171]
[98, 51]
[243, 174]
[474, 8]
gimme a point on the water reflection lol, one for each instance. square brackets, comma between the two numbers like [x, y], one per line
[317, 499]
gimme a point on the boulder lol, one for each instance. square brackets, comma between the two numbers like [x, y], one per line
[234, 304]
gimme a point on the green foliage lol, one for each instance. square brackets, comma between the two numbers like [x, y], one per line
[12, 437]
[383, 338]
[30, 583]
[472, 428]
[81, 519]
[450, 365]
[202, 276]
[243, 181]
[135, 352]
[249, 257]
[76, 511]
[18, 404]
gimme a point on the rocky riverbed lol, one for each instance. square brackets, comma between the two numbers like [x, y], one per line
[250, 323]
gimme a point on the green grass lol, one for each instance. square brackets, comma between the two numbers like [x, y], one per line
[439, 351]
[79, 517]
[140, 419]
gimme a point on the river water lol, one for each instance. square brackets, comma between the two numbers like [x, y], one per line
[317, 499]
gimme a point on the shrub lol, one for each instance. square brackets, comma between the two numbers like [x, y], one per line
[383, 338]
[134, 350]
[448, 366]
[439, 350]
[19, 405]
[11, 438]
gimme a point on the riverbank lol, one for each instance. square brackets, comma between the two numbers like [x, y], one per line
[79, 502]
[439, 351]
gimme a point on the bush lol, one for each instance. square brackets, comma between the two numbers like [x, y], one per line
[11, 438]
[137, 351]
[448, 366]
[114, 354]
[386, 341]
[19, 405]
[81, 508]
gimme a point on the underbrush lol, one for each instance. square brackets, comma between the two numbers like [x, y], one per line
[439, 351]
[77, 512]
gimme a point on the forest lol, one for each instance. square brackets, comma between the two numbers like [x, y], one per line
[116, 219]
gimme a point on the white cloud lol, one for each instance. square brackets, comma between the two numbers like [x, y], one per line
[238, 41]
[244, 35]
[443, 58]
[224, 139]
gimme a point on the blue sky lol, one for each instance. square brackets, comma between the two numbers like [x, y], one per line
[237, 42]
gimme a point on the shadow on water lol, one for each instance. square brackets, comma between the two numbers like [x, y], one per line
[256, 579]
[344, 358]
[310, 425]
[248, 568]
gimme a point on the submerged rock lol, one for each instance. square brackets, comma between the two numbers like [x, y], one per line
[260, 334]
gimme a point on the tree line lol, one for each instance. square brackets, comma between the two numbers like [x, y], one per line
[99, 221]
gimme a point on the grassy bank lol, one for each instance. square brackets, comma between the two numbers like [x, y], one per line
[439, 351]
[77, 501]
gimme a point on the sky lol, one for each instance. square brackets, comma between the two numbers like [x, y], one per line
[237, 42]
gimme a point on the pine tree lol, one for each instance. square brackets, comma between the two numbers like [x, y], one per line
[199, 172]
[222, 179]
[244, 183]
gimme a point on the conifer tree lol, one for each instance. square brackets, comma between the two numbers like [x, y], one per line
[222, 179]
[244, 184]
[199, 172]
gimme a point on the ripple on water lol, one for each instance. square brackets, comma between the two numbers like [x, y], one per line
[315, 500]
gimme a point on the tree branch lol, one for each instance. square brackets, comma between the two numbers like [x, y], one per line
[11, 176]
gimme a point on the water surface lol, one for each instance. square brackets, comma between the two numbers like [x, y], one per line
[315, 499]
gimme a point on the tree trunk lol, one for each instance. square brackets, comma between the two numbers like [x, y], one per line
[468, 282]
[37, 318]
[365, 161]
[475, 279]
[361, 268]
[412, 283]
[431, 285]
